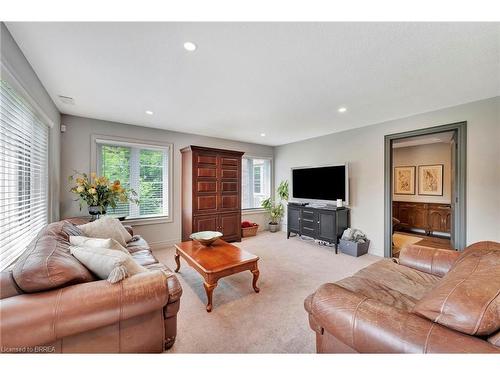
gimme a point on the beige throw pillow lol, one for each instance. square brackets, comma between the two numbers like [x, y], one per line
[112, 265]
[106, 227]
[104, 243]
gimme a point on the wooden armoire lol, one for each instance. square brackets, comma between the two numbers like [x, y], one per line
[211, 191]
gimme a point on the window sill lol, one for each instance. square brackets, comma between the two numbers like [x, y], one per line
[253, 211]
[148, 220]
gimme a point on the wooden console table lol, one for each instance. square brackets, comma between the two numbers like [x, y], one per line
[430, 217]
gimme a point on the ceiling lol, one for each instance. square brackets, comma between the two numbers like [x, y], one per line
[286, 80]
[444, 137]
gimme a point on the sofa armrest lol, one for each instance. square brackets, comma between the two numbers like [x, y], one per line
[174, 287]
[41, 318]
[370, 326]
[427, 259]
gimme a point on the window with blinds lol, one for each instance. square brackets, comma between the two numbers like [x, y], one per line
[140, 167]
[24, 144]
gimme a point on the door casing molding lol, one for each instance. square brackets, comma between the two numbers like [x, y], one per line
[459, 223]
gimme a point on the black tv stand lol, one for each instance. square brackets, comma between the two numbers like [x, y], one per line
[323, 223]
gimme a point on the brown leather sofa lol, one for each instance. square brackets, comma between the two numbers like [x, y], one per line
[433, 301]
[51, 303]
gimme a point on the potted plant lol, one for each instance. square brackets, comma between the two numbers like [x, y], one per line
[274, 207]
[99, 193]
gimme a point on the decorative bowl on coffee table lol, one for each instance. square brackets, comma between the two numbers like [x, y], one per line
[206, 238]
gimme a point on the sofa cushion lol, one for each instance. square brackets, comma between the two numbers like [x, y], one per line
[113, 265]
[105, 243]
[137, 244]
[47, 263]
[144, 257]
[106, 227]
[467, 298]
[390, 283]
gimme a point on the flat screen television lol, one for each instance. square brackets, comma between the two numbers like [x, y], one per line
[322, 183]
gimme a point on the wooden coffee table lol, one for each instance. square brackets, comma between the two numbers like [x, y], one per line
[216, 261]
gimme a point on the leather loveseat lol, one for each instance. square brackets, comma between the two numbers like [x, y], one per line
[430, 301]
[51, 303]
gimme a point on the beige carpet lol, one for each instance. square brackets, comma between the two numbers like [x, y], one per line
[272, 321]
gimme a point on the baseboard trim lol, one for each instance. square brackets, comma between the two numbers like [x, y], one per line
[160, 245]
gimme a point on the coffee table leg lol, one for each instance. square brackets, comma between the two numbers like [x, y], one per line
[255, 274]
[209, 288]
[177, 261]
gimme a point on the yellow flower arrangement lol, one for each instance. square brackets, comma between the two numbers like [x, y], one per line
[99, 191]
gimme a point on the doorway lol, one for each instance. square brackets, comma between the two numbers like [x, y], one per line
[425, 188]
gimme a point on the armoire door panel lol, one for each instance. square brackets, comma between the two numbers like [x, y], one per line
[206, 202]
[230, 225]
[203, 223]
[229, 173]
[206, 159]
[229, 162]
[229, 187]
[207, 186]
[229, 202]
[206, 172]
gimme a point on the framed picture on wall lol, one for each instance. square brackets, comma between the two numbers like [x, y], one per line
[430, 179]
[404, 180]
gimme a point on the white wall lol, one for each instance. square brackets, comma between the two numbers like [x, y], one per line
[75, 154]
[363, 148]
[435, 153]
[18, 72]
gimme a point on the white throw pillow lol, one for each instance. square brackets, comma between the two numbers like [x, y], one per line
[106, 227]
[113, 265]
[105, 243]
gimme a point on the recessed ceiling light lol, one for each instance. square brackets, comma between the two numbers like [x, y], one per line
[262, 134]
[189, 46]
[342, 109]
[149, 112]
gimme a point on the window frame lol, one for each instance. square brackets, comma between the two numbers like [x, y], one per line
[271, 184]
[147, 144]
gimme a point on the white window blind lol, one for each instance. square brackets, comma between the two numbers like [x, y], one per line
[140, 167]
[256, 181]
[24, 140]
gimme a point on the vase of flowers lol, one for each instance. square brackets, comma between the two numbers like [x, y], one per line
[99, 193]
[97, 210]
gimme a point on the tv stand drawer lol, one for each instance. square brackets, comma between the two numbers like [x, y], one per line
[308, 215]
[308, 229]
